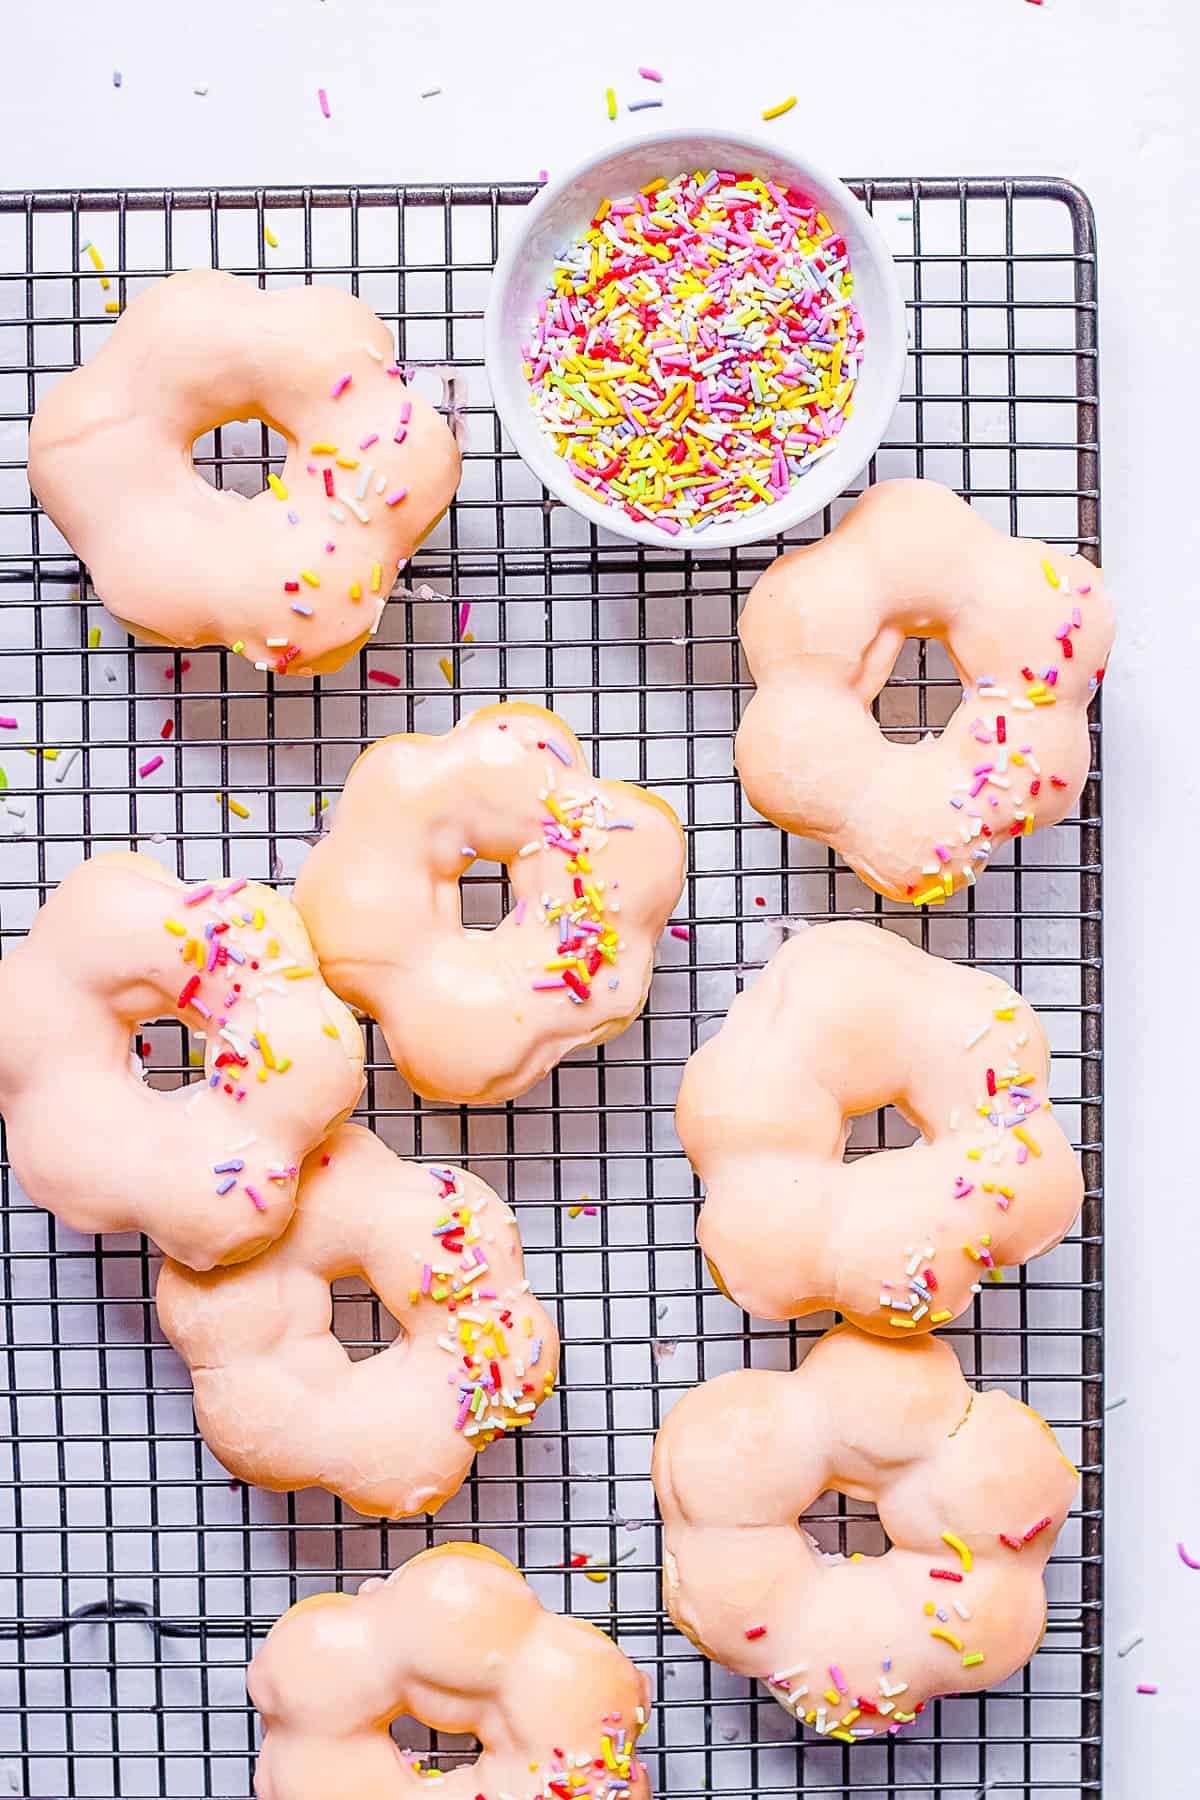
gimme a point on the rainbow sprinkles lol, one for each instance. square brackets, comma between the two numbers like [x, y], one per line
[697, 349]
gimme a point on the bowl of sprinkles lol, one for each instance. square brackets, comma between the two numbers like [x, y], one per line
[695, 339]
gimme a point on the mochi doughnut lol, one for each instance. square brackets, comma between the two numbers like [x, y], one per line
[457, 1640]
[279, 1401]
[594, 866]
[845, 1018]
[295, 579]
[1028, 629]
[208, 1171]
[971, 1489]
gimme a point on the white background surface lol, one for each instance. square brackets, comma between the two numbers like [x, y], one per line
[1102, 92]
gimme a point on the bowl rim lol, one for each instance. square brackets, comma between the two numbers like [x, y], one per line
[747, 528]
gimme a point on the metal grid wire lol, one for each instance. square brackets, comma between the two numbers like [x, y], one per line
[110, 1508]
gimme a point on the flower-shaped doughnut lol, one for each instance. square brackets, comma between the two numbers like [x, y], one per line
[295, 579]
[1028, 630]
[844, 1018]
[278, 1399]
[595, 868]
[972, 1491]
[457, 1640]
[208, 1171]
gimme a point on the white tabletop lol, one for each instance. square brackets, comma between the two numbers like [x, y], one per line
[1097, 90]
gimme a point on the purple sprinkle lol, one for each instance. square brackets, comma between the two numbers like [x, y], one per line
[233, 1167]
[557, 750]
[230, 1181]
[293, 518]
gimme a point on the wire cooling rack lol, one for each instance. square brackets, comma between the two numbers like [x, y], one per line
[112, 1515]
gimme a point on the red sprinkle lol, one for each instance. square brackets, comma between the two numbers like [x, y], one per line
[991, 1081]
[384, 677]
[1057, 781]
[1067, 651]
[168, 726]
[291, 587]
[1036, 1530]
[759, 901]
[1013, 1543]
[576, 986]
[944, 1575]
[1001, 729]
[930, 1280]
[190, 987]
[328, 473]
[757, 1631]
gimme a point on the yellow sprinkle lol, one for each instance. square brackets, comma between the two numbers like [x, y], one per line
[1048, 570]
[930, 1609]
[610, 100]
[907, 1324]
[947, 1637]
[259, 918]
[843, 1737]
[972, 1661]
[939, 1318]
[285, 1063]
[445, 665]
[930, 897]
[347, 462]
[270, 236]
[854, 1713]
[235, 806]
[785, 106]
[1005, 1012]
[355, 591]
[296, 974]
[308, 576]
[834, 1699]
[996, 1275]
[112, 306]
[175, 928]
[376, 576]
[597, 1575]
[974, 1155]
[972, 1252]
[94, 638]
[98, 263]
[1030, 1143]
[322, 449]
[329, 1030]
[265, 1050]
[262, 1074]
[961, 1550]
[277, 488]
[1028, 827]
[857, 1556]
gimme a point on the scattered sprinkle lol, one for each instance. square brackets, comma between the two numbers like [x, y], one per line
[1131, 1643]
[642, 105]
[272, 240]
[649, 74]
[610, 101]
[323, 102]
[1185, 1558]
[384, 677]
[785, 106]
[429, 93]
[148, 768]
[1144, 1687]
[681, 931]
[235, 806]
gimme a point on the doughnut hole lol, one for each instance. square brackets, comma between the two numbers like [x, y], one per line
[362, 1323]
[443, 1750]
[923, 692]
[238, 456]
[484, 894]
[841, 1527]
[884, 1128]
[165, 1055]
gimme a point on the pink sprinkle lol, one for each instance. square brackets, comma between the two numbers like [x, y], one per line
[426, 1278]
[235, 887]
[1185, 1558]
[323, 97]
[260, 1204]
[7, 723]
[1146, 1687]
[340, 385]
[541, 987]
[365, 443]
[680, 931]
[464, 613]
[1087, 589]
[148, 768]
[649, 74]
[198, 894]
[519, 911]
[394, 498]
[392, 369]
[837, 1678]
[544, 175]
[941, 852]
[400, 434]
[464, 1413]
[384, 677]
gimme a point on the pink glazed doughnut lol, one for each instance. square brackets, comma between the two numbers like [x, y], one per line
[972, 1491]
[457, 1640]
[277, 1398]
[297, 578]
[845, 1018]
[1028, 629]
[208, 1171]
[478, 1016]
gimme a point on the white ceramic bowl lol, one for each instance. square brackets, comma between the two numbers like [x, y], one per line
[564, 208]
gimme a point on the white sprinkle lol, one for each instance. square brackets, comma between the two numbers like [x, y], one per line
[978, 1037]
[1112, 1405]
[380, 484]
[360, 512]
[65, 765]
[1131, 1643]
